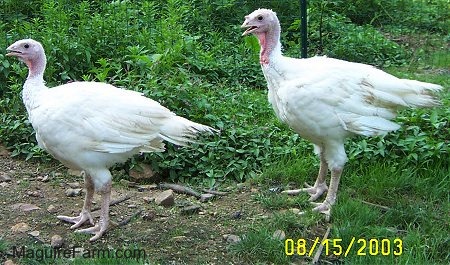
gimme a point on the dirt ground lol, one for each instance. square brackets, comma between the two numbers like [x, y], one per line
[167, 235]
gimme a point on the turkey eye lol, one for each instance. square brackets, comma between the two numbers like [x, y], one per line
[260, 18]
[26, 46]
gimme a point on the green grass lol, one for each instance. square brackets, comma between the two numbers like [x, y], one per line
[258, 246]
[376, 200]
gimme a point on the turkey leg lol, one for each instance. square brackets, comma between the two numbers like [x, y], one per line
[85, 214]
[325, 206]
[320, 185]
[100, 228]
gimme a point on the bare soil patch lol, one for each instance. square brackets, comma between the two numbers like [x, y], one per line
[166, 235]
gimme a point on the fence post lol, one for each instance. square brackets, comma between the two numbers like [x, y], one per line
[303, 29]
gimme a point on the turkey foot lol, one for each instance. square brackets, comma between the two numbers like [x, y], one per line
[314, 191]
[98, 230]
[320, 185]
[101, 227]
[77, 220]
[323, 207]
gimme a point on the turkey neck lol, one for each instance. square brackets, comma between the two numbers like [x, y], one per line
[35, 81]
[269, 42]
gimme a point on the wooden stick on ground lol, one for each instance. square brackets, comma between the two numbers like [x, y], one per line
[376, 205]
[113, 202]
[215, 192]
[180, 189]
[319, 250]
[124, 221]
[127, 220]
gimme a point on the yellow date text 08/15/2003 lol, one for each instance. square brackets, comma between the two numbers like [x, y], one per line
[362, 246]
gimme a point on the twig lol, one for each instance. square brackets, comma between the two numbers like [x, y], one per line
[127, 220]
[114, 202]
[180, 189]
[376, 205]
[123, 222]
[319, 250]
[215, 192]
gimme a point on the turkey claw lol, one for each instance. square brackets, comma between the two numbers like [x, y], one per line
[77, 220]
[324, 208]
[314, 191]
[97, 230]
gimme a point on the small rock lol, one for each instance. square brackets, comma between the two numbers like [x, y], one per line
[4, 184]
[279, 235]
[9, 262]
[73, 192]
[165, 198]
[74, 185]
[236, 215]
[5, 178]
[20, 227]
[57, 241]
[188, 210]
[149, 216]
[148, 199]
[74, 172]
[34, 233]
[52, 209]
[43, 179]
[35, 193]
[295, 210]
[141, 172]
[26, 207]
[206, 197]
[233, 239]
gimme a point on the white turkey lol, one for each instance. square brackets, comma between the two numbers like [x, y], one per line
[326, 100]
[91, 126]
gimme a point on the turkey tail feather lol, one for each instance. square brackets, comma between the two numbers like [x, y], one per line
[424, 94]
[181, 131]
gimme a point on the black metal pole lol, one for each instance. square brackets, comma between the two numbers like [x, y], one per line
[303, 29]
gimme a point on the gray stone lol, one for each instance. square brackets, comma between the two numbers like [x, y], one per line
[279, 235]
[5, 178]
[57, 241]
[165, 198]
[52, 209]
[232, 239]
[73, 192]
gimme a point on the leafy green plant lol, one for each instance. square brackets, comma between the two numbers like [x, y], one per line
[192, 59]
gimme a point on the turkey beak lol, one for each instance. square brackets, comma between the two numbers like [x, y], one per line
[249, 28]
[244, 25]
[11, 52]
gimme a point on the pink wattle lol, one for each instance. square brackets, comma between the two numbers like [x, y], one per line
[263, 56]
